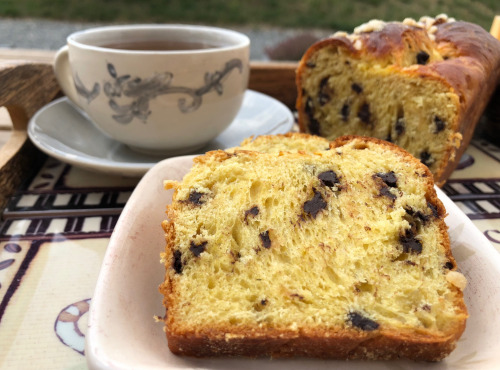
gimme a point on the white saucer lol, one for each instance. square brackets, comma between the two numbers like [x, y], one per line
[63, 131]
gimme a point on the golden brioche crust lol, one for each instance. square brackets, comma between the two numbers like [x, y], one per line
[466, 61]
[291, 141]
[339, 345]
[337, 342]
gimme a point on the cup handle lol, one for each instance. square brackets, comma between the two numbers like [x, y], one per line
[64, 75]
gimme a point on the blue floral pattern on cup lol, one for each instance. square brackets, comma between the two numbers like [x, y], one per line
[143, 90]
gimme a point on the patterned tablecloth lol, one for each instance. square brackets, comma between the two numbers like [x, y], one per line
[53, 238]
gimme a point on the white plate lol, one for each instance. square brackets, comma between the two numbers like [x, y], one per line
[63, 131]
[122, 333]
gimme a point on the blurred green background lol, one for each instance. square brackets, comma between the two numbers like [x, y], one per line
[319, 14]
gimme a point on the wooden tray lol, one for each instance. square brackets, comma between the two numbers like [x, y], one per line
[26, 87]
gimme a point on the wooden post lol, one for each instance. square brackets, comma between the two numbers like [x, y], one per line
[24, 88]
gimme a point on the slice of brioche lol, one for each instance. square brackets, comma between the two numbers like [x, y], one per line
[341, 253]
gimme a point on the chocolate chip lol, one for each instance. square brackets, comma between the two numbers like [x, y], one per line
[345, 112]
[324, 94]
[384, 191]
[177, 263]
[434, 209]
[416, 219]
[323, 83]
[263, 302]
[197, 249]
[415, 226]
[236, 256]
[356, 88]
[265, 239]
[440, 124]
[309, 107]
[364, 113]
[329, 178]
[426, 158]
[449, 265]
[389, 181]
[400, 126]
[417, 215]
[410, 243]
[421, 216]
[195, 198]
[422, 58]
[426, 307]
[315, 205]
[314, 127]
[254, 211]
[389, 178]
[364, 323]
[323, 98]
[313, 123]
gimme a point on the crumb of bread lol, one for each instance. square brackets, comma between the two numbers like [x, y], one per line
[170, 184]
[307, 237]
[457, 279]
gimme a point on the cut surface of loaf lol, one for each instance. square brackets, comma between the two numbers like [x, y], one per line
[341, 253]
[421, 85]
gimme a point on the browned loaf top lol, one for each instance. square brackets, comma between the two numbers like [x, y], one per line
[335, 253]
[422, 85]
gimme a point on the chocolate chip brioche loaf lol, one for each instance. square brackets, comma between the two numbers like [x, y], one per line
[342, 253]
[422, 85]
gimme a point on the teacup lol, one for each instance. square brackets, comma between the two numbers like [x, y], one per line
[160, 89]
